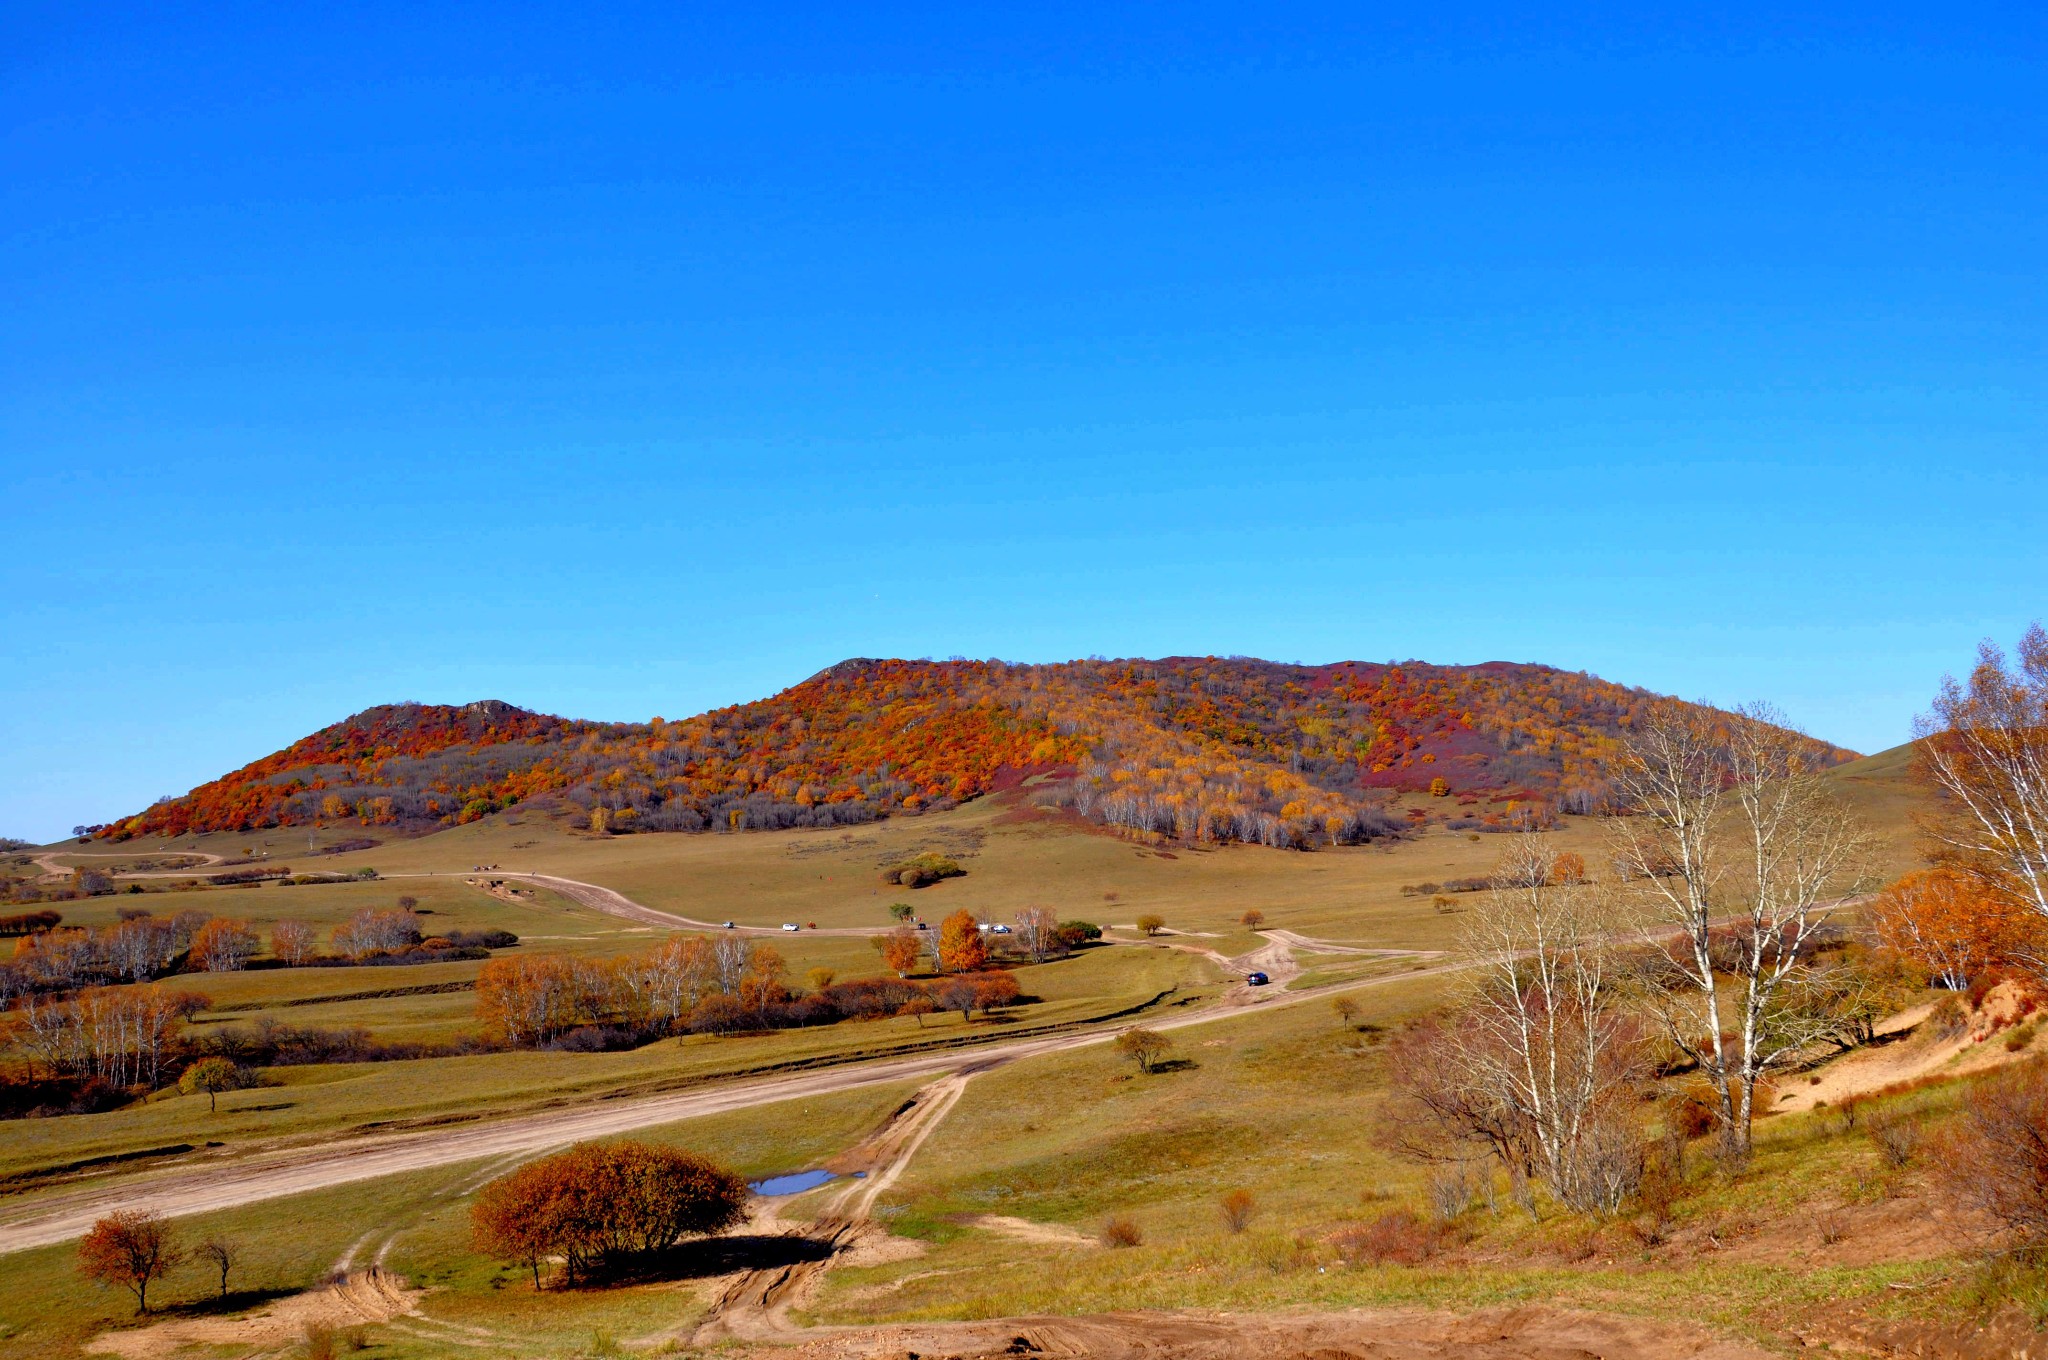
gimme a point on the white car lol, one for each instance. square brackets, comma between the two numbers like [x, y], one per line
[787, 926]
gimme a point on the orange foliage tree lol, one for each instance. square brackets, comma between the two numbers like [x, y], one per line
[132, 1248]
[900, 950]
[1984, 748]
[223, 945]
[961, 947]
[1951, 923]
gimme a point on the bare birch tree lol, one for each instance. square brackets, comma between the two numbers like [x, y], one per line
[1984, 748]
[1536, 1066]
[1547, 1041]
[1038, 931]
[1740, 850]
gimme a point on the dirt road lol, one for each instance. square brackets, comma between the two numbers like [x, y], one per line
[201, 1188]
[615, 903]
[47, 862]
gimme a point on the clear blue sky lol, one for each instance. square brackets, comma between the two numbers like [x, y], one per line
[642, 362]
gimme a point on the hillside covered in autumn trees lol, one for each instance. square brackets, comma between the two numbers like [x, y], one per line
[1199, 748]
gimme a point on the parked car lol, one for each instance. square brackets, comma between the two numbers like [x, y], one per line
[728, 925]
[999, 930]
[1257, 979]
[922, 926]
[787, 926]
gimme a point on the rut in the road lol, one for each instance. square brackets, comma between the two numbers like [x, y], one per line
[755, 1306]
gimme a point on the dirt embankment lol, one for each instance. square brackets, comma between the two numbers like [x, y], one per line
[1911, 1049]
[1535, 1332]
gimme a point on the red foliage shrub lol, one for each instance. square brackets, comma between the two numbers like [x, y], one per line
[600, 1205]
[1399, 1237]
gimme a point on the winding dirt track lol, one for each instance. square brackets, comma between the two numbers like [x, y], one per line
[614, 903]
[47, 862]
[203, 1188]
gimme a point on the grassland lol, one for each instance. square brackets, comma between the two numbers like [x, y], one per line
[1288, 1105]
[298, 1104]
[1285, 1104]
[292, 1244]
[1015, 855]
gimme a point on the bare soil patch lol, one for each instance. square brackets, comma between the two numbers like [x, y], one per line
[1536, 1332]
[358, 1298]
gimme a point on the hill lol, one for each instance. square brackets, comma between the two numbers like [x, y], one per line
[1200, 748]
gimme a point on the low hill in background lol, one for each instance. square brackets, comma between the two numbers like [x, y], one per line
[1197, 747]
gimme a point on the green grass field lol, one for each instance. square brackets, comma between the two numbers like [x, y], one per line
[291, 1244]
[1284, 1103]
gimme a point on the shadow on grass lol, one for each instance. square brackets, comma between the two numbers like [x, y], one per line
[214, 1305]
[1174, 1065]
[709, 1257]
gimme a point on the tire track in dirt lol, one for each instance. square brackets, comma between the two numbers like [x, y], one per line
[756, 1305]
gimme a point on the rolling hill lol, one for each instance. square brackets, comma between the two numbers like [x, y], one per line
[1201, 748]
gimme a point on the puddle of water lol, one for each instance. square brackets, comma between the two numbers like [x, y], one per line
[794, 1183]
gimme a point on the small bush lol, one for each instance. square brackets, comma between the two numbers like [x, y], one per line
[1897, 1137]
[1237, 1207]
[1119, 1231]
[1993, 1159]
[1450, 1193]
[319, 1342]
[1399, 1237]
[1692, 1115]
[1949, 1018]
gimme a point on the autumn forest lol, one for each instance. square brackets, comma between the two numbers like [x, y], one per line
[1202, 749]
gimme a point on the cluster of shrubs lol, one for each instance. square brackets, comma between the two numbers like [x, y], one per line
[271, 1043]
[867, 999]
[249, 878]
[921, 870]
[1398, 1237]
[1566, 869]
[1449, 885]
[698, 985]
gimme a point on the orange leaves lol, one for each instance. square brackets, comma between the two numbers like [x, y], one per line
[1198, 748]
[961, 948]
[132, 1248]
[223, 945]
[1951, 923]
[900, 950]
[599, 1204]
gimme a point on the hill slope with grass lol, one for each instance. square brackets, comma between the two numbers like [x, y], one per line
[1201, 748]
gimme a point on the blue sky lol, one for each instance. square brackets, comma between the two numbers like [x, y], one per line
[647, 362]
